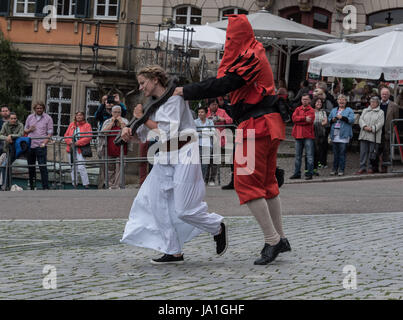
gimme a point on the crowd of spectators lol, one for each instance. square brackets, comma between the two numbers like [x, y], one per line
[321, 118]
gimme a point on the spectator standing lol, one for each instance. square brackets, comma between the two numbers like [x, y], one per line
[116, 122]
[219, 118]
[303, 132]
[5, 115]
[38, 125]
[341, 119]
[104, 110]
[205, 127]
[390, 112]
[75, 128]
[282, 90]
[223, 103]
[371, 123]
[320, 128]
[329, 101]
[304, 89]
[399, 99]
[103, 113]
[10, 130]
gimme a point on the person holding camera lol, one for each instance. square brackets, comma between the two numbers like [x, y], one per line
[116, 123]
[103, 113]
[104, 110]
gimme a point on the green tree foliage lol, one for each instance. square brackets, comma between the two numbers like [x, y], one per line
[12, 79]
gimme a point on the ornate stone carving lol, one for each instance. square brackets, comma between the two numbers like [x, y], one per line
[264, 4]
[305, 5]
[340, 4]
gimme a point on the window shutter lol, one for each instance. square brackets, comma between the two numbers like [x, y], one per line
[82, 9]
[4, 7]
[39, 5]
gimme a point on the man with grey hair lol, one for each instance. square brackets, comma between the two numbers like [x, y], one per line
[391, 111]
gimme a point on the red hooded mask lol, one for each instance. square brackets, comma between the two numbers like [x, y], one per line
[245, 56]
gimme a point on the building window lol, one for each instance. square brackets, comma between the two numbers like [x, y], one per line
[320, 21]
[91, 106]
[385, 18]
[106, 9]
[26, 97]
[24, 8]
[58, 106]
[227, 11]
[65, 8]
[187, 15]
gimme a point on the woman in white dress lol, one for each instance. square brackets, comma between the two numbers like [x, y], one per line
[169, 208]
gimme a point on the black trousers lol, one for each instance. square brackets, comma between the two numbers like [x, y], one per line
[38, 154]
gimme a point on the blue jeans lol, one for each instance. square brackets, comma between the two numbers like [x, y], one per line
[40, 155]
[339, 151]
[309, 146]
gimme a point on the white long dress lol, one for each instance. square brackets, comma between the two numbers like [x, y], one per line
[169, 209]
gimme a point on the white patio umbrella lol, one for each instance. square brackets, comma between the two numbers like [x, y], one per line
[367, 60]
[203, 37]
[282, 32]
[265, 24]
[365, 35]
[323, 49]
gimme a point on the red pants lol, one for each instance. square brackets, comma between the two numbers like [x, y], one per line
[261, 181]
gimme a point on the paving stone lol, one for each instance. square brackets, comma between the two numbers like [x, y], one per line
[91, 263]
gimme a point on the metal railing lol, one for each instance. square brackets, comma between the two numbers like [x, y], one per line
[57, 164]
[394, 135]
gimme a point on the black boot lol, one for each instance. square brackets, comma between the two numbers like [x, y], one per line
[229, 186]
[269, 253]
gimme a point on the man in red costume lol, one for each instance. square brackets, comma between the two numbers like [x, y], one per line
[246, 74]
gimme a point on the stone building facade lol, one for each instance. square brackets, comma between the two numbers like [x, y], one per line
[325, 15]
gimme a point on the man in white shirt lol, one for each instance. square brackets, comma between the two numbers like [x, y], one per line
[205, 127]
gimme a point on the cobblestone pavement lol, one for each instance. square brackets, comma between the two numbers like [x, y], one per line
[91, 263]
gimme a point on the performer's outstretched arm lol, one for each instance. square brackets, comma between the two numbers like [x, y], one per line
[213, 87]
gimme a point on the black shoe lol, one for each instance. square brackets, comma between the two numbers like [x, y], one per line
[279, 176]
[285, 245]
[168, 258]
[269, 253]
[295, 176]
[229, 186]
[221, 240]
[308, 178]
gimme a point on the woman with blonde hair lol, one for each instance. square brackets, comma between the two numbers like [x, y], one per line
[169, 208]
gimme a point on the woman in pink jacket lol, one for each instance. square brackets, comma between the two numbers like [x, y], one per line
[78, 125]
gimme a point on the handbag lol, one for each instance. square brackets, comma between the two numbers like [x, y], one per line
[373, 155]
[86, 151]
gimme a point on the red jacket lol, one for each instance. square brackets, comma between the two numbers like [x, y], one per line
[84, 138]
[303, 129]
